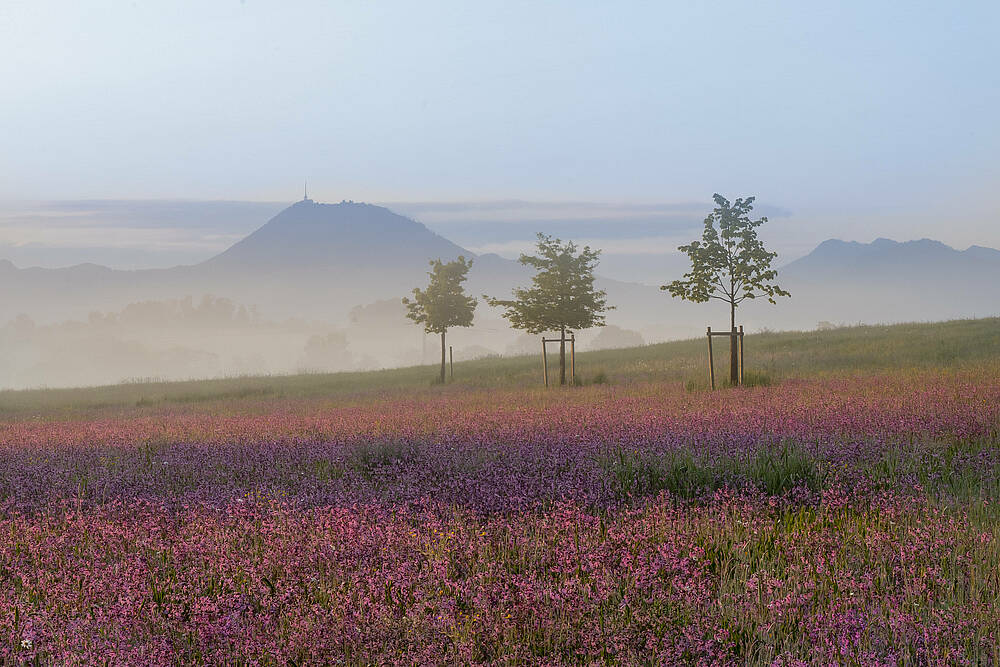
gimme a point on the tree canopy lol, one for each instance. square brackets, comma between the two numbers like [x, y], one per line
[443, 304]
[562, 295]
[730, 262]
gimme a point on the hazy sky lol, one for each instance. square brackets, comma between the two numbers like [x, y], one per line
[859, 119]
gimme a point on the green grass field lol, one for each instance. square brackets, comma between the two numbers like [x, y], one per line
[770, 357]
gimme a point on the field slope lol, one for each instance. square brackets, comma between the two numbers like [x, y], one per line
[769, 357]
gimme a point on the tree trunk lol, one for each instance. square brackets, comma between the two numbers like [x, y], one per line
[442, 357]
[562, 356]
[734, 355]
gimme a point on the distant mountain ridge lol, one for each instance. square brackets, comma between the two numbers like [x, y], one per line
[318, 260]
[838, 254]
[891, 281]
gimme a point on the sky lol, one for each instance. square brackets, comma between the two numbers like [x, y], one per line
[850, 120]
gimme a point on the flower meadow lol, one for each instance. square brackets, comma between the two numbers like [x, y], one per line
[831, 520]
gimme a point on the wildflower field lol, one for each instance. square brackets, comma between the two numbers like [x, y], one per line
[829, 518]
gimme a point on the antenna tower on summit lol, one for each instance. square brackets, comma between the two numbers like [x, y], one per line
[305, 190]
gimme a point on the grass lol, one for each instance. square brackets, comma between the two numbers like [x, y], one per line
[688, 475]
[636, 473]
[769, 358]
[778, 471]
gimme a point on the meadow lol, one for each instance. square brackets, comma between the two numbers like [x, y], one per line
[841, 511]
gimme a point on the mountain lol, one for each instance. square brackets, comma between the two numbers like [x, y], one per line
[317, 261]
[311, 260]
[890, 281]
[345, 235]
[884, 256]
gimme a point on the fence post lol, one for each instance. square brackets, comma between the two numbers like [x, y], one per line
[711, 360]
[451, 361]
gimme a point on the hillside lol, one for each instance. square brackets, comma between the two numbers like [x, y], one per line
[770, 357]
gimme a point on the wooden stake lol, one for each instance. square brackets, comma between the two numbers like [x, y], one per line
[741, 355]
[711, 360]
[572, 356]
[545, 364]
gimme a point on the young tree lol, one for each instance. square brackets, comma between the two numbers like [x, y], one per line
[443, 304]
[729, 264]
[562, 296]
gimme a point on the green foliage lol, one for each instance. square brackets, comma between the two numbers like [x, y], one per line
[443, 304]
[730, 263]
[562, 295]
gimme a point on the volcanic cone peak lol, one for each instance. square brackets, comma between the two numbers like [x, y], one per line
[308, 233]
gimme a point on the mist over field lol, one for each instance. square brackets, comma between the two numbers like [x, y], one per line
[199, 191]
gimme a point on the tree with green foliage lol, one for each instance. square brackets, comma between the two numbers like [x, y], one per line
[729, 264]
[562, 296]
[443, 304]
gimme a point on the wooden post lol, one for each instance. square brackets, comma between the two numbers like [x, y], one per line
[562, 356]
[711, 360]
[545, 364]
[443, 380]
[572, 356]
[451, 361]
[741, 355]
